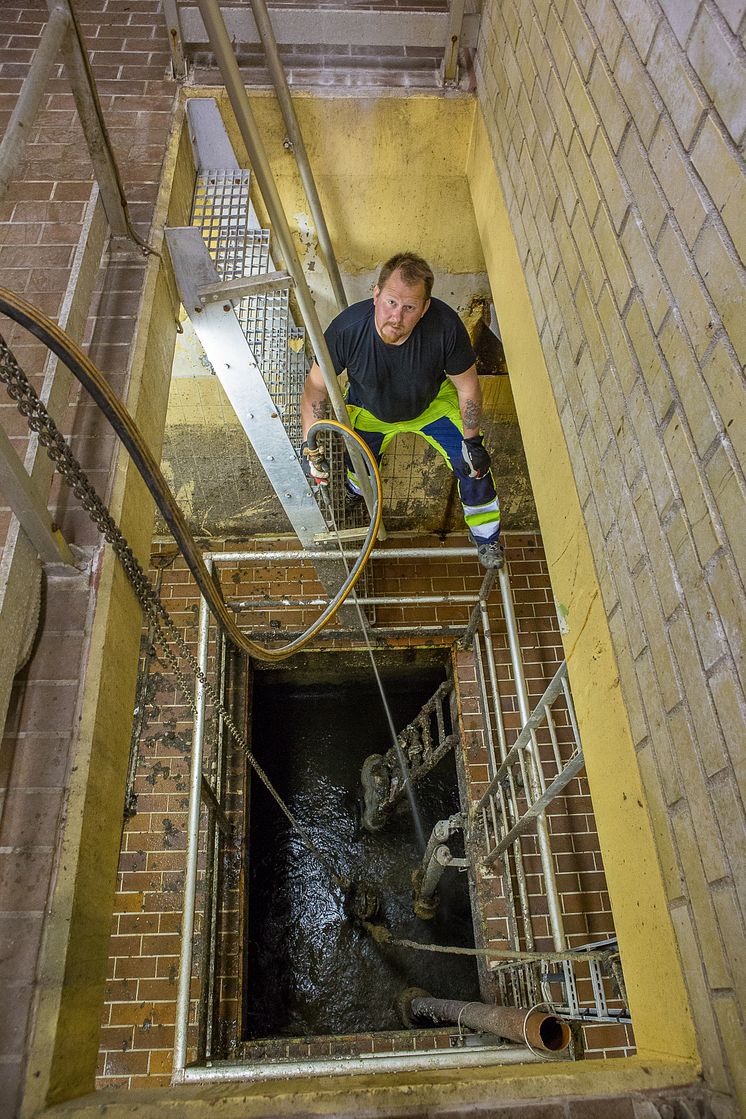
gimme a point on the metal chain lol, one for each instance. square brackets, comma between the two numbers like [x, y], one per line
[39, 421]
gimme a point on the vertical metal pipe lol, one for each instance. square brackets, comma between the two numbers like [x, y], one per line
[212, 871]
[432, 874]
[30, 95]
[542, 831]
[277, 71]
[85, 95]
[192, 852]
[520, 872]
[479, 666]
[247, 126]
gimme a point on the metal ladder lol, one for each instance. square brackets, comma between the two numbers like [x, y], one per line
[423, 743]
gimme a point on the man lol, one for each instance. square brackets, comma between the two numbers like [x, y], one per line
[411, 367]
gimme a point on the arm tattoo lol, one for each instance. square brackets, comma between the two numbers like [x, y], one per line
[470, 413]
[318, 408]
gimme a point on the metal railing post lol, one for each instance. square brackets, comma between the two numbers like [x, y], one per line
[520, 872]
[297, 145]
[29, 99]
[84, 93]
[542, 831]
[190, 878]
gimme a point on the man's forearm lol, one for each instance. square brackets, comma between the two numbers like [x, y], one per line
[313, 404]
[471, 414]
[469, 400]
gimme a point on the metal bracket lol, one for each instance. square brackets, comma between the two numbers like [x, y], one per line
[341, 534]
[234, 363]
[449, 68]
[176, 45]
[227, 290]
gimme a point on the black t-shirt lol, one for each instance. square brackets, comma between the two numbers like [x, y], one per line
[398, 382]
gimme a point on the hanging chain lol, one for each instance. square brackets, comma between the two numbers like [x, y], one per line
[39, 421]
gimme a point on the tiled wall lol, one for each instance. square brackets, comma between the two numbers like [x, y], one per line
[616, 131]
[137, 1032]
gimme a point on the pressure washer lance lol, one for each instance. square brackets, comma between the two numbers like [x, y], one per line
[407, 783]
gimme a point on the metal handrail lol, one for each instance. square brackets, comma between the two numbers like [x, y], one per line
[297, 145]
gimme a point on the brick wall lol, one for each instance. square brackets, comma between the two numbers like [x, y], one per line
[139, 1011]
[616, 131]
[40, 223]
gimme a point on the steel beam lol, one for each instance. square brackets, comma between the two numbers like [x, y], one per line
[211, 148]
[300, 25]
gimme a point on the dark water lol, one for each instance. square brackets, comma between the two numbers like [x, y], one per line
[310, 971]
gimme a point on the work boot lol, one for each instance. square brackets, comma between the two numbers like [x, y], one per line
[490, 554]
[353, 499]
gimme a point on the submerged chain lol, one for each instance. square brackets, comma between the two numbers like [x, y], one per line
[50, 437]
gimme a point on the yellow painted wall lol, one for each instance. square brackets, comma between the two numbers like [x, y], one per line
[614, 133]
[389, 170]
[652, 974]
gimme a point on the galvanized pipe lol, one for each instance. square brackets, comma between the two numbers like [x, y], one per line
[363, 600]
[455, 552]
[479, 666]
[216, 768]
[377, 631]
[29, 98]
[487, 1056]
[442, 831]
[571, 709]
[192, 854]
[432, 874]
[520, 872]
[535, 720]
[298, 147]
[542, 831]
[541, 1031]
[474, 617]
[247, 126]
[561, 781]
[82, 82]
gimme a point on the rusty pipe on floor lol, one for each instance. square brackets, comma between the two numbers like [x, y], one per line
[543, 1032]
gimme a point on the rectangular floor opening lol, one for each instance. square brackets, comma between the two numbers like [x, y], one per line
[312, 972]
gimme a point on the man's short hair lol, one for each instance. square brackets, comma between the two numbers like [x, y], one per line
[413, 270]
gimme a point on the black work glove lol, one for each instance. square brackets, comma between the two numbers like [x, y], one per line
[315, 466]
[475, 456]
